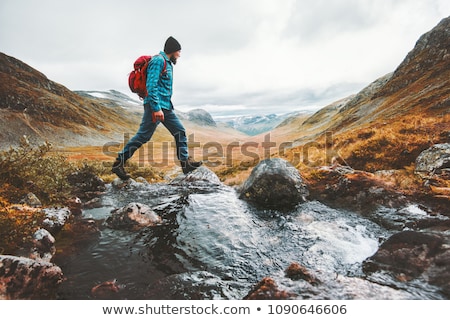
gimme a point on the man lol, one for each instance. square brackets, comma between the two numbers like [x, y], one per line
[158, 108]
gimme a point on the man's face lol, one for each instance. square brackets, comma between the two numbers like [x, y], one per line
[174, 56]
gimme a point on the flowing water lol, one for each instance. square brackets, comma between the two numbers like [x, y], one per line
[212, 245]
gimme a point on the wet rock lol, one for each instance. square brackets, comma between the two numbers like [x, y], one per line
[93, 203]
[142, 180]
[119, 184]
[295, 271]
[267, 289]
[433, 165]
[56, 218]
[200, 176]
[31, 200]
[434, 160]
[439, 273]
[43, 246]
[75, 204]
[407, 252]
[274, 184]
[24, 278]
[133, 216]
[410, 254]
[106, 290]
[412, 216]
[359, 190]
[434, 223]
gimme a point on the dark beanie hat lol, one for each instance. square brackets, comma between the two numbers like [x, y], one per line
[171, 45]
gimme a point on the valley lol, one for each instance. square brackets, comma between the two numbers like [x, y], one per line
[385, 126]
[370, 218]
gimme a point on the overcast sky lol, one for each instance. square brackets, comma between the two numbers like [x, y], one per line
[237, 55]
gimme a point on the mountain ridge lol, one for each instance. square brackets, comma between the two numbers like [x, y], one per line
[388, 123]
[44, 110]
[418, 86]
[254, 125]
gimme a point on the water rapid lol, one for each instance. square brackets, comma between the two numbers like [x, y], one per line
[212, 245]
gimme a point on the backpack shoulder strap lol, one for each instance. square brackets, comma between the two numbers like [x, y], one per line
[165, 66]
[164, 70]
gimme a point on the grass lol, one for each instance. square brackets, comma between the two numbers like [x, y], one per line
[394, 145]
[388, 147]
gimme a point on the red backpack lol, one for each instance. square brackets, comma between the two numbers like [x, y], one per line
[137, 80]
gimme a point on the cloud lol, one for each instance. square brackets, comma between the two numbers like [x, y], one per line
[253, 53]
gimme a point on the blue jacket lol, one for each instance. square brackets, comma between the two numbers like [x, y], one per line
[159, 83]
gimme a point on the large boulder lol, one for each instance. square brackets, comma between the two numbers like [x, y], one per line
[200, 176]
[31, 200]
[363, 191]
[56, 218]
[434, 160]
[410, 254]
[133, 216]
[24, 278]
[274, 184]
[433, 165]
[43, 246]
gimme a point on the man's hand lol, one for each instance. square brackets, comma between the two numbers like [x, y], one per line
[158, 116]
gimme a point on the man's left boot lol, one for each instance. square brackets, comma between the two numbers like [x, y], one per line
[190, 165]
[119, 170]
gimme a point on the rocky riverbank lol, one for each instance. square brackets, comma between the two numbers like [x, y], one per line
[417, 250]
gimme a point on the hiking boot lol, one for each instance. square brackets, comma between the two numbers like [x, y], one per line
[119, 170]
[190, 165]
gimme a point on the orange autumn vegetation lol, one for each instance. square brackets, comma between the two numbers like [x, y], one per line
[17, 225]
[380, 146]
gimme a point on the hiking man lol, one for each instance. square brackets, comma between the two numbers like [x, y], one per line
[158, 108]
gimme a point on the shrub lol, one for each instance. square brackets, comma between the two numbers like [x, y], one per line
[30, 168]
[147, 172]
[17, 227]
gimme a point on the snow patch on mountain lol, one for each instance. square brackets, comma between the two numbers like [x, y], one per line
[256, 124]
[113, 97]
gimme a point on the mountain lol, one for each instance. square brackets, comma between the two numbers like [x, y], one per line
[117, 99]
[306, 127]
[334, 115]
[257, 124]
[420, 84]
[43, 110]
[33, 105]
[388, 123]
[198, 116]
[113, 99]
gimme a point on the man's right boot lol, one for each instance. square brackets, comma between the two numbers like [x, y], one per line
[119, 170]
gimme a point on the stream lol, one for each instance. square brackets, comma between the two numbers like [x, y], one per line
[213, 245]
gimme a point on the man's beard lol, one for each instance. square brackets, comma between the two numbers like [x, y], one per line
[173, 60]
